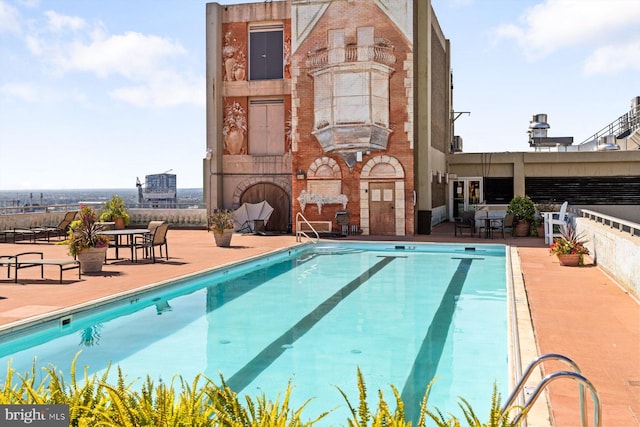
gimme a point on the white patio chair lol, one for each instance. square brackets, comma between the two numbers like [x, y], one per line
[552, 219]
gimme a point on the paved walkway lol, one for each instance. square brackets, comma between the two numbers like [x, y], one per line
[578, 312]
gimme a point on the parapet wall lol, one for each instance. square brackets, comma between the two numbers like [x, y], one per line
[615, 251]
[178, 218]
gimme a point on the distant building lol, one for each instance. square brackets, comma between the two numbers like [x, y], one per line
[160, 190]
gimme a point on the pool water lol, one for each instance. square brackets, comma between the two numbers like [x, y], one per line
[403, 314]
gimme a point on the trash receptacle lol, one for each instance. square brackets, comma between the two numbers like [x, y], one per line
[424, 222]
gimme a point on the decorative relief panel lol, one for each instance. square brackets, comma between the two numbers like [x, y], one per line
[234, 59]
[235, 128]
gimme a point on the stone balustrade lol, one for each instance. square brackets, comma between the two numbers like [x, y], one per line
[178, 218]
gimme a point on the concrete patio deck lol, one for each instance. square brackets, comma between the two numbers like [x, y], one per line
[578, 312]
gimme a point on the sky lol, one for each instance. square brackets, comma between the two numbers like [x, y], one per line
[94, 93]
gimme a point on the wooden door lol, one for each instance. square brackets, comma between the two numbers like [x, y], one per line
[382, 214]
[277, 198]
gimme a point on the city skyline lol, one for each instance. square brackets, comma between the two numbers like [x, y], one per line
[96, 94]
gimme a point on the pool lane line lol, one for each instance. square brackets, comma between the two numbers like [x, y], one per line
[269, 354]
[426, 361]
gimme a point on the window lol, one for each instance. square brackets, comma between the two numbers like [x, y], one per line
[266, 127]
[266, 50]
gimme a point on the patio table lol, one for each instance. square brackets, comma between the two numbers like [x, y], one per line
[129, 233]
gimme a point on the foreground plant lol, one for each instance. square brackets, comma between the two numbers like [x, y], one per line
[93, 401]
[570, 242]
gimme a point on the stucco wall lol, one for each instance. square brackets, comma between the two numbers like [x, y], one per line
[615, 251]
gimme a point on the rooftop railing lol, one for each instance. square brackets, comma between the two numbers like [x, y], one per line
[630, 227]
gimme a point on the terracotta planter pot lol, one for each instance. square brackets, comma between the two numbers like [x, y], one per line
[223, 239]
[522, 229]
[91, 259]
[570, 260]
[119, 223]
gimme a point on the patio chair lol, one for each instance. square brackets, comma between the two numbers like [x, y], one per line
[506, 224]
[152, 228]
[466, 221]
[148, 244]
[59, 230]
[554, 222]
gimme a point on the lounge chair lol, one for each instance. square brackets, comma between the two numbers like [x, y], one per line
[148, 244]
[59, 230]
[36, 259]
[466, 221]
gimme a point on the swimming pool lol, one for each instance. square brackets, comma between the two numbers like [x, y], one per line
[403, 313]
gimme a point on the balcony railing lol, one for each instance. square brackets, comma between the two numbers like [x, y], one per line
[351, 53]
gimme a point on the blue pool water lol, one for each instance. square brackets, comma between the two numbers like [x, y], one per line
[403, 313]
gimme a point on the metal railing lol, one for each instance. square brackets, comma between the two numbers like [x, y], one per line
[300, 233]
[575, 375]
[625, 124]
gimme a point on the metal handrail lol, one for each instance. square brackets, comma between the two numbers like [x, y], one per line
[566, 374]
[628, 122]
[300, 233]
[543, 383]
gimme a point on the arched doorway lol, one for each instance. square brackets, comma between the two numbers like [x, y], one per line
[277, 198]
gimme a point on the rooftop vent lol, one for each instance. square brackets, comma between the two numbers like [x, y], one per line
[538, 138]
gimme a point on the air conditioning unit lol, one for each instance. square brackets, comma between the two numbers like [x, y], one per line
[456, 145]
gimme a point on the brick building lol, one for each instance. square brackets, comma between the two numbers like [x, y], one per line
[312, 106]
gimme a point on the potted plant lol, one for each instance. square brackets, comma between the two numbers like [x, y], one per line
[85, 241]
[220, 223]
[115, 210]
[525, 211]
[570, 247]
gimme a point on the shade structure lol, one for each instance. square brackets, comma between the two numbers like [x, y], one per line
[245, 216]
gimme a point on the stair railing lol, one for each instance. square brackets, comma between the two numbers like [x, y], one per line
[300, 232]
[575, 375]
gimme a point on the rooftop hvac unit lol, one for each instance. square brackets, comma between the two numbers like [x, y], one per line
[607, 142]
[538, 126]
[456, 145]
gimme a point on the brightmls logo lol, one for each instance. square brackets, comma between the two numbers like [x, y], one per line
[34, 415]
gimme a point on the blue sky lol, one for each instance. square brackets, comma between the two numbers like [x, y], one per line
[96, 93]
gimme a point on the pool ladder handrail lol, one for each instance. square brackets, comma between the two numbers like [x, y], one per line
[576, 375]
[300, 233]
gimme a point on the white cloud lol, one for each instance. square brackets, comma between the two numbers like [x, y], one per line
[23, 91]
[149, 63]
[132, 55]
[58, 22]
[167, 90]
[9, 19]
[611, 59]
[554, 25]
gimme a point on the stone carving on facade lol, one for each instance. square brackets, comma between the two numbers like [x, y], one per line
[321, 199]
[234, 59]
[235, 128]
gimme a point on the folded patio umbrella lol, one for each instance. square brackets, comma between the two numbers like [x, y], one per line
[245, 215]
